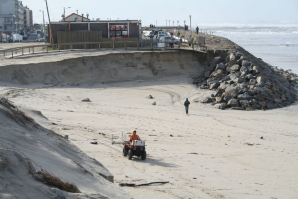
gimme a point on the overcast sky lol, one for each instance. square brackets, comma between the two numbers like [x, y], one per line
[202, 11]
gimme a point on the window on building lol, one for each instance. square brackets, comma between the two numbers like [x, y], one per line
[0, 27]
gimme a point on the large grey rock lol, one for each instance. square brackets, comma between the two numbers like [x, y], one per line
[263, 103]
[244, 70]
[211, 81]
[234, 68]
[236, 79]
[232, 57]
[250, 108]
[244, 103]
[220, 66]
[255, 70]
[232, 91]
[233, 103]
[214, 85]
[258, 89]
[271, 105]
[207, 100]
[249, 76]
[261, 80]
[244, 96]
[219, 73]
[278, 100]
[223, 85]
[253, 101]
[252, 81]
[219, 92]
[245, 63]
[218, 99]
[238, 56]
[216, 60]
[227, 97]
[220, 106]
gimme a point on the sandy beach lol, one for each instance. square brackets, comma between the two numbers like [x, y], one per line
[209, 153]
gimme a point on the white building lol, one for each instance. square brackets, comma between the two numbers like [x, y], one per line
[11, 16]
[27, 24]
[75, 17]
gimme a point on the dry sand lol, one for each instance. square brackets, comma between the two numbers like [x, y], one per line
[209, 153]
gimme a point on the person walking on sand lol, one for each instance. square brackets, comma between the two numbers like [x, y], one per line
[186, 104]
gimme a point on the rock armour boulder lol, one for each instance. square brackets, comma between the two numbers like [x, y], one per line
[244, 82]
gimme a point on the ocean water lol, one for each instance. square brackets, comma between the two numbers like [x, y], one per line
[275, 44]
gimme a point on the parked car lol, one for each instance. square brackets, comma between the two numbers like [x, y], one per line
[160, 33]
[146, 33]
[40, 39]
[151, 34]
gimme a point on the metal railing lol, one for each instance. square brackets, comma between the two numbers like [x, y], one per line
[132, 45]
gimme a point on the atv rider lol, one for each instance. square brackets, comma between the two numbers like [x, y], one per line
[134, 136]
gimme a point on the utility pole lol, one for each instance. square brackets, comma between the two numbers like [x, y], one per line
[64, 13]
[50, 26]
[190, 24]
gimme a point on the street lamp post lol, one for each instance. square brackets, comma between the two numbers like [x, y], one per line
[173, 23]
[184, 28]
[156, 23]
[169, 23]
[166, 23]
[64, 13]
[43, 26]
[42, 19]
[190, 24]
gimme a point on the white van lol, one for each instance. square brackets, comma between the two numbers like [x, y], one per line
[17, 38]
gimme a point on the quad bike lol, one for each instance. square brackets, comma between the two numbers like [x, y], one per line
[134, 148]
